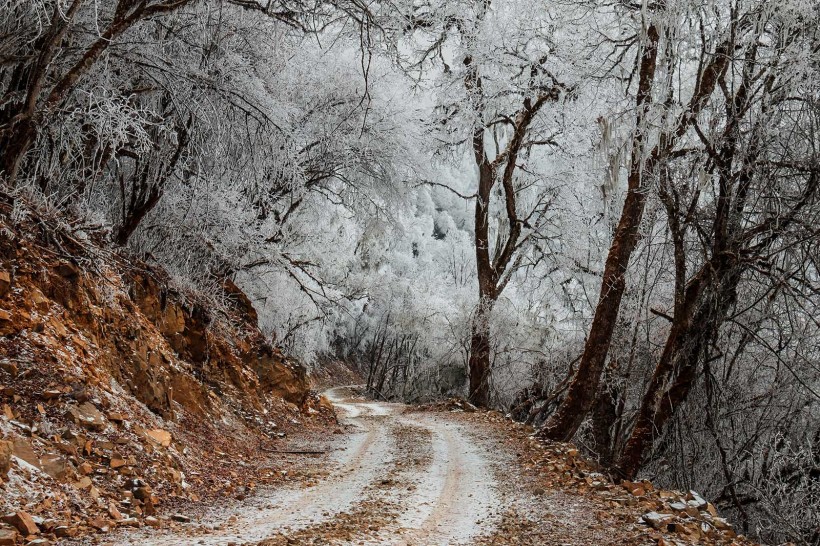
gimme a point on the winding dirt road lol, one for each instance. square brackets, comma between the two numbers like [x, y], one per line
[399, 478]
[404, 477]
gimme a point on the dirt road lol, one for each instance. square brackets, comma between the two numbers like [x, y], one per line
[398, 478]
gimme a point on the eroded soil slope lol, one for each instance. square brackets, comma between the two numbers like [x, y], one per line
[121, 397]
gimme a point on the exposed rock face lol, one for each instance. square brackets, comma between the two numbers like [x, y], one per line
[161, 346]
[217, 359]
[283, 377]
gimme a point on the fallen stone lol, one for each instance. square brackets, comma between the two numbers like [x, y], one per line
[153, 522]
[51, 394]
[159, 437]
[22, 521]
[635, 488]
[49, 525]
[67, 270]
[9, 367]
[64, 531]
[99, 524]
[80, 394]
[114, 512]
[148, 507]
[5, 283]
[57, 467]
[88, 416]
[721, 524]
[142, 493]
[6, 451]
[8, 536]
[657, 520]
[695, 500]
[181, 518]
[24, 452]
[117, 462]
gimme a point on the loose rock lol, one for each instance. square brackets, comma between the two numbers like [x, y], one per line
[6, 451]
[22, 521]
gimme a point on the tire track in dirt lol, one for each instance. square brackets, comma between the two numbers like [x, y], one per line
[363, 461]
[378, 511]
[455, 498]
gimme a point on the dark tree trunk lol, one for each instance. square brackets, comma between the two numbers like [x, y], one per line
[581, 394]
[491, 270]
[135, 214]
[687, 345]
[479, 363]
[604, 418]
[14, 149]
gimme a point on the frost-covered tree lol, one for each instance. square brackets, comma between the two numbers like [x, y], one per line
[501, 80]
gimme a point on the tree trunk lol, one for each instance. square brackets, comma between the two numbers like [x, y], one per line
[479, 363]
[604, 418]
[581, 394]
[14, 149]
[139, 208]
[686, 346]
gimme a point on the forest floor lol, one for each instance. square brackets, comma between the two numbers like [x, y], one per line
[441, 474]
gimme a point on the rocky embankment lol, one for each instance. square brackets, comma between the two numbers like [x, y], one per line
[123, 400]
